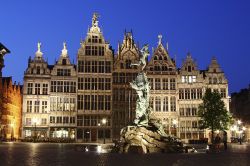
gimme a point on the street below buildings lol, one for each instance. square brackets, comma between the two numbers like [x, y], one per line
[43, 154]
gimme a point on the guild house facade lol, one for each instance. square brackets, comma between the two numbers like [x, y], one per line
[92, 101]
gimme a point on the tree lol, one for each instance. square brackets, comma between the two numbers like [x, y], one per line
[213, 113]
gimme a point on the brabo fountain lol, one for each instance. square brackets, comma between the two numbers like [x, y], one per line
[147, 133]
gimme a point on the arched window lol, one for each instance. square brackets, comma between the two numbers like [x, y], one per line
[155, 58]
[160, 57]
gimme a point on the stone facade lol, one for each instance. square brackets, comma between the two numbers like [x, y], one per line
[105, 100]
[94, 93]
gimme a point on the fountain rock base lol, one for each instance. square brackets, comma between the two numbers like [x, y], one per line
[148, 140]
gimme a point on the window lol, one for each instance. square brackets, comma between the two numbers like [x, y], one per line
[165, 104]
[28, 121]
[45, 89]
[181, 110]
[64, 62]
[53, 86]
[181, 94]
[199, 93]
[107, 102]
[88, 50]
[79, 120]
[194, 111]
[193, 93]
[36, 106]
[38, 70]
[172, 84]
[30, 88]
[188, 111]
[44, 121]
[80, 83]
[100, 102]
[172, 104]
[58, 119]
[44, 106]
[72, 120]
[86, 120]
[65, 119]
[194, 124]
[157, 84]
[158, 104]
[187, 93]
[52, 119]
[215, 81]
[37, 89]
[101, 67]
[80, 66]
[107, 67]
[165, 84]
[223, 93]
[29, 106]
[189, 69]
[63, 72]
[107, 83]
[210, 80]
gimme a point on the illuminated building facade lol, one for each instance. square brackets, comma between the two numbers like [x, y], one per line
[92, 101]
[10, 104]
[62, 120]
[36, 99]
[94, 93]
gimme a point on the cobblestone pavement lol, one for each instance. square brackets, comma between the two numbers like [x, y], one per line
[43, 154]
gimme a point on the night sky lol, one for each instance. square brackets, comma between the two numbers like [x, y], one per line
[203, 28]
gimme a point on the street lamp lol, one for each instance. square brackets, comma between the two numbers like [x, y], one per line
[104, 121]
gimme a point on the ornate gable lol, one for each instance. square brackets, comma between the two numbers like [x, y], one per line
[37, 66]
[160, 60]
[189, 65]
[128, 53]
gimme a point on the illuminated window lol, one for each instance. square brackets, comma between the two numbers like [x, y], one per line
[44, 106]
[29, 106]
[36, 106]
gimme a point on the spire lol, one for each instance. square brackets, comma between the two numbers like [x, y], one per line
[64, 50]
[160, 38]
[38, 52]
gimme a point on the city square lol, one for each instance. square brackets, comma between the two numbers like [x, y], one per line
[97, 86]
[66, 154]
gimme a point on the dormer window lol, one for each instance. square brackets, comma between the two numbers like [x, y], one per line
[155, 58]
[160, 58]
[214, 70]
[189, 69]
[64, 62]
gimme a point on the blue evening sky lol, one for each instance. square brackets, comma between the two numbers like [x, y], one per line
[219, 28]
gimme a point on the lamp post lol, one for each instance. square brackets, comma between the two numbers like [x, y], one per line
[104, 121]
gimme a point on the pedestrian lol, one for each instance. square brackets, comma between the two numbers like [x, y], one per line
[225, 140]
[217, 141]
